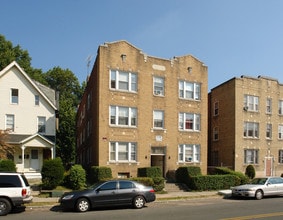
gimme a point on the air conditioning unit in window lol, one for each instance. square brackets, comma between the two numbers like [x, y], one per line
[157, 92]
[246, 108]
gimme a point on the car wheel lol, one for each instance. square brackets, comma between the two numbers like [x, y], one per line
[259, 194]
[82, 205]
[139, 202]
[5, 206]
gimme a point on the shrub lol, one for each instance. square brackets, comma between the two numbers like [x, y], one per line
[250, 171]
[147, 181]
[77, 177]
[7, 165]
[97, 174]
[149, 172]
[184, 173]
[224, 170]
[52, 173]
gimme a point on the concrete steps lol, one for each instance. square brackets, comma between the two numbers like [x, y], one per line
[175, 187]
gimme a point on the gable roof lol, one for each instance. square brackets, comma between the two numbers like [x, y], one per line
[34, 85]
[23, 139]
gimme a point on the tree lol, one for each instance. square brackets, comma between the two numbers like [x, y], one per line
[67, 84]
[5, 149]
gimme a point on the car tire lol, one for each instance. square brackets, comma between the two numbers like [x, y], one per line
[82, 205]
[139, 202]
[5, 206]
[259, 194]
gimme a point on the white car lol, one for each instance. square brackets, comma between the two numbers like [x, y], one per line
[260, 187]
[14, 191]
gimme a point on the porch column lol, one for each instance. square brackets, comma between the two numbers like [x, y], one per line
[23, 157]
[52, 156]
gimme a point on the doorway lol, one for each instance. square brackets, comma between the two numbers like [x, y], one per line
[158, 158]
[268, 166]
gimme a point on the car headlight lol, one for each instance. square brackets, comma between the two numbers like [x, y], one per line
[67, 197]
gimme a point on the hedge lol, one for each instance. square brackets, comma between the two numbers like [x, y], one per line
[97, 174]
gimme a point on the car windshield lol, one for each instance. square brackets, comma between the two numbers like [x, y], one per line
[259, 181]
[95, 185]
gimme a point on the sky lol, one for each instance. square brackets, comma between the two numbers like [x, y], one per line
[231, 37]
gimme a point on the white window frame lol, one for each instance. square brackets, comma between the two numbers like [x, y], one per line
[268, 105]
[280, 156]
[119, 114]
[280, 132]
[189, 90]
[189, 153]
[215, 133]
[123, 81]
[185, 119]
[268, 131]
[10, 122]
[216, 108]
[251, 103]
[41, 124]
[158, 86]
[14, 97]
[123, 152]
[36, 100]
[251, 129]
[280, 107]
[158, 119]
[251, 156]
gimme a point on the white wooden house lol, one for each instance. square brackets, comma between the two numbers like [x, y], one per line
[28, 109]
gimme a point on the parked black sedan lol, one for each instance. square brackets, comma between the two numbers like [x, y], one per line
[109, 193]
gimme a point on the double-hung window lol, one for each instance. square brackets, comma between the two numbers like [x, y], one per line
[251, 102]
[125, 81]
[36, 100]
[189, 90]
[123, 151]
[158, 119]
[189, 153]
[268, 105]
[280, 132]
[41, 124]
[251, 156]
[158, 84]
[269, 131]
[251, 129]
[280, 156]
[216, 109]
[10, 122]
[189, 121]
[14, 96]
[123, 116]
[280, 107]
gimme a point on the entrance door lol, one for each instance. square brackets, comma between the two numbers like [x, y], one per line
[158, 158]
[268, 166]
[34, 161]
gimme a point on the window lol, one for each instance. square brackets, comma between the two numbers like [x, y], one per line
[251, 103]
[251, 129]
[280, 156]
[251, 156]
[158, 83]
[280, 107]
[216, 109]
[269, 131]
[123, 151]
[123, 116]
[10, 122]
[215, 133]
[123, 81]
[268, 105]
[158, 119]
[280, 132]
[189, 153]
[109, 186]
[189, 90]
[126, 185]
[41, 124]
[36, 99]
[189, 122]
[14, 96]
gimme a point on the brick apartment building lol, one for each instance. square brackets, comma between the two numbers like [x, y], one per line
[246, 125]
[140, 111]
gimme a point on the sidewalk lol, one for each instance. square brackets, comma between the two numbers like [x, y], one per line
[38, 201]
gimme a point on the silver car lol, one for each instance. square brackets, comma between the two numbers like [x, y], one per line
[260, 187]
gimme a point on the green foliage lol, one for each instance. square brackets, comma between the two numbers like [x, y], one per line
[97, 174]
[76, 177]
[184, 173]
[224, 170]
[7, 165]
[250, 171]
[213, 182]
[149, 172]
[52, 173]
[147, 181]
